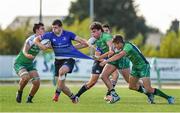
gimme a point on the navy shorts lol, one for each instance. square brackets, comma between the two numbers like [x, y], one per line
[59, 63]
[96, 69]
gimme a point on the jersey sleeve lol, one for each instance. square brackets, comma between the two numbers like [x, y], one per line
[72, 35]
[29, 41]
[46, 36]
[127, 48]
[108, 37]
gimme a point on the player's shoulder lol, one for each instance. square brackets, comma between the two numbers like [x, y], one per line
[66, 32]
[48, 33]
[127, 45]
[31, 38]
[106, 34]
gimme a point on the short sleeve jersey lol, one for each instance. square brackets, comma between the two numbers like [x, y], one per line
[34, 50]
[134, 54]
[60, 43]
[101, 43]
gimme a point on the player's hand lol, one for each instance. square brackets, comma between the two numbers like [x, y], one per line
[95, 57]
[30, 56]
[103, 63]
[110, 53]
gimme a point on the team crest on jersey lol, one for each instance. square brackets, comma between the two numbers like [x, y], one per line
[64, 38]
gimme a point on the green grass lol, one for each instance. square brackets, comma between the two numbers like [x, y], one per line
[91, 101]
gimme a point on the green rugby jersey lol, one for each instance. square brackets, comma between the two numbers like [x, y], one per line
[101, 43]
[134, 54]
[34, 50]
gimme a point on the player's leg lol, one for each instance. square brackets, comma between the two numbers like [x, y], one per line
[24, 78]
[108, 69]
[154, 91]
[67, 67]
[124, 67]
[96, 71]
[35, 85]
[92, 81]
[58, 64]
[125, 73]
[114, 79]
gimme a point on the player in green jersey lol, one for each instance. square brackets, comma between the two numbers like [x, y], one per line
[115, 74]
[103, 44]
[24, 66]
[140, 69]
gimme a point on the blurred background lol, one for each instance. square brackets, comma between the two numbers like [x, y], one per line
[153, 25]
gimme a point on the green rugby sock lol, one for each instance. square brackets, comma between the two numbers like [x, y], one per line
[160, 93]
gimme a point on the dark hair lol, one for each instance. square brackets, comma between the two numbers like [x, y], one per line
[106, 25]
[118, 39]
[37, 26]
[96, 25]
[57, 22]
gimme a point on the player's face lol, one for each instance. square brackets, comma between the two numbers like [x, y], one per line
[41, 30]
[118, 46]
[96, 33]
[56, 29]
[106, 29]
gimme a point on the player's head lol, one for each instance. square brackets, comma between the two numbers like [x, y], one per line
[118, 41]
[96, 29]
[57, 26]
[106, 28]
[39, 28]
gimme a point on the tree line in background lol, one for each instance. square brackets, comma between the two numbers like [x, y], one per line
[121, 15]
[12, 40]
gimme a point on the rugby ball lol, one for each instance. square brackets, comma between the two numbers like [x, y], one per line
[46, 42]
[91, 41]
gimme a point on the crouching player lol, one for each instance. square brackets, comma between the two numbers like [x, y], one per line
[140, 69]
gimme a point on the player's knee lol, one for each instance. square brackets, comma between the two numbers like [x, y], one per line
[36, 81]
[62, 77]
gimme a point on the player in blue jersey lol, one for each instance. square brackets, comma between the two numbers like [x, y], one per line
[61, 42]
[24, 65]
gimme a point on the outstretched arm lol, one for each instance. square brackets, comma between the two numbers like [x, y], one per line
[114, 57]
[81, 43]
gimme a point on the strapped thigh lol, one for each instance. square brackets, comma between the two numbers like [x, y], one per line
[23, 72]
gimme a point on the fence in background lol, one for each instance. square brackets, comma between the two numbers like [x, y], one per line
[168, 69]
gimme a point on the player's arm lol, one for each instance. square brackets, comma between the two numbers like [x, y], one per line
[25, 50]
[105, 55]
[114, 57]
[111, 52]
[37, 41]
[80, 45]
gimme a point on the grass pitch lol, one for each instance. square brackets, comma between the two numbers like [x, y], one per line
[91, 101]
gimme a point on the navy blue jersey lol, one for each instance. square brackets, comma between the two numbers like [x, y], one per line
[59, 42]
[62, 45]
